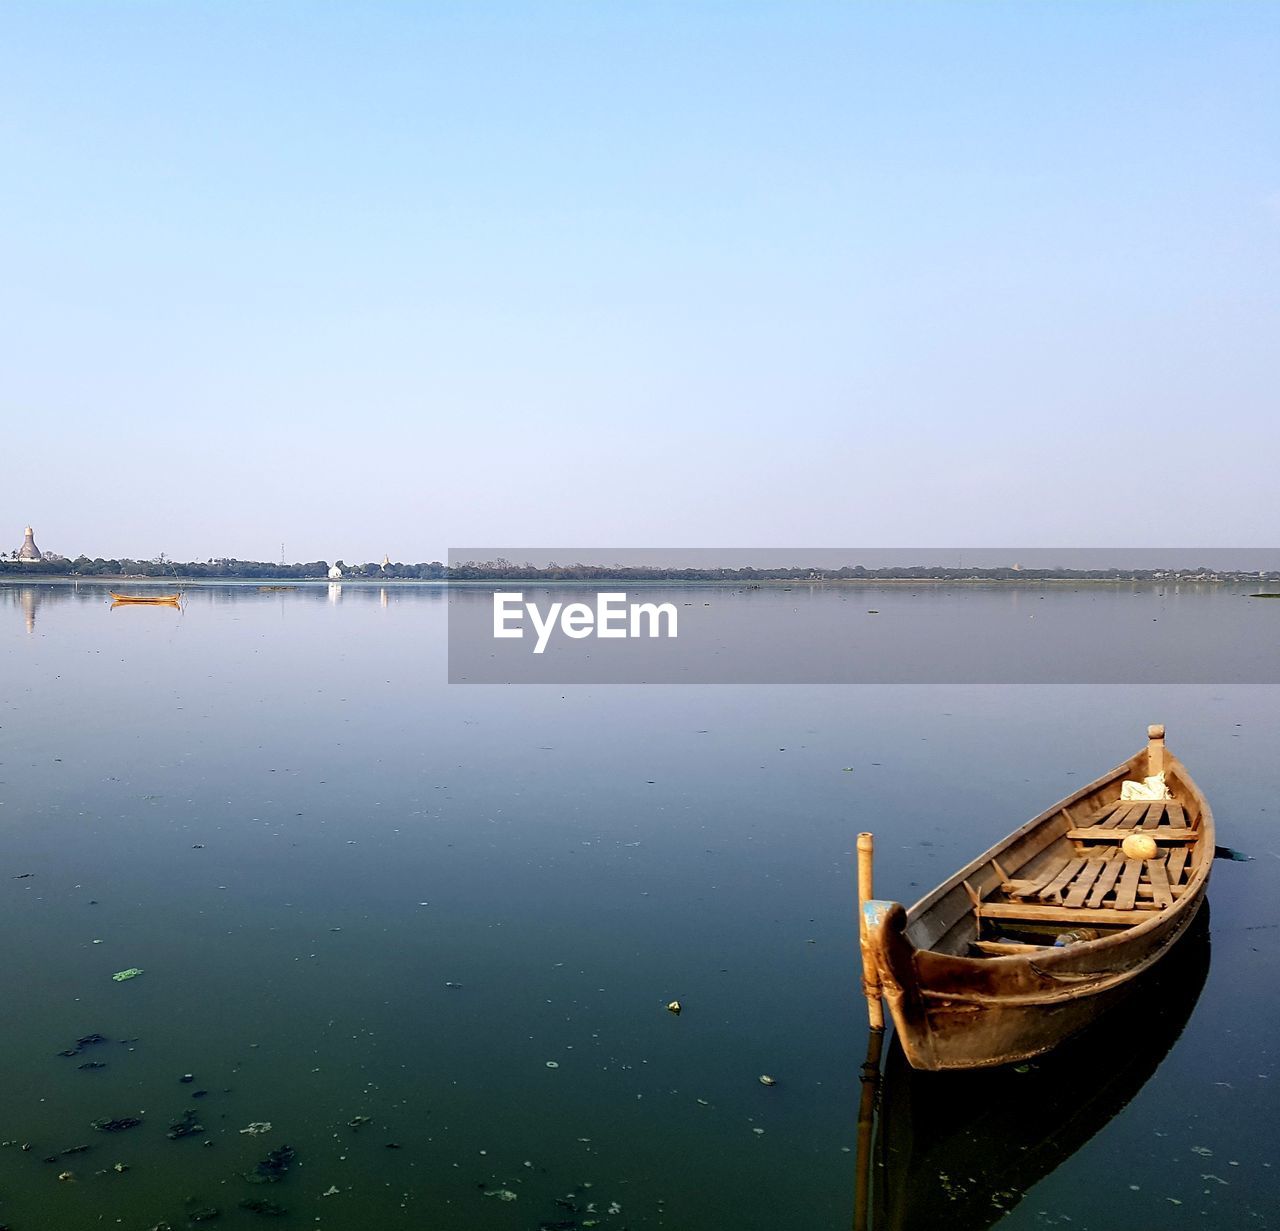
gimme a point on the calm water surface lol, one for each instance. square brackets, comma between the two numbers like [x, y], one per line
[357, 891]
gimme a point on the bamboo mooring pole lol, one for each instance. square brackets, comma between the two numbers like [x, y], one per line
[864, 1184]
[870, 975]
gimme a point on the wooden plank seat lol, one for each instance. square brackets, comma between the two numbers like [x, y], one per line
[1079, 888]
[1161, 893]
[1146, 891]
[1034, 912]
[1031, 887]
[1106, 882]
[1080, 883]
[1118, 812]
[1131, 813]
[1054, 890]
[1127, 887]
[1165, 833]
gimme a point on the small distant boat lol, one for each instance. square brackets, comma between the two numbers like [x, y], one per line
[153, 600]
[1033, 940]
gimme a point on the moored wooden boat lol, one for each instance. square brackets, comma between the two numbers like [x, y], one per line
[167, 600]
[1030, 942]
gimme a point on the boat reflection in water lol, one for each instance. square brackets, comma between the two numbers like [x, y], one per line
[959, 1150]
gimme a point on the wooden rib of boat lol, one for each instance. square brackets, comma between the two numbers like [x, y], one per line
[1030, 942]
[165, 600]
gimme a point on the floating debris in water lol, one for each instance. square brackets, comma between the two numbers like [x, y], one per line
[186, 1079]
[89, 1065]
[674, 1007]
[132, 973]
[201, 1213]
[332, 1191]
[503, 1194]
[120, 1167]
[1203, 1151]
[259, 1205]
[115, 1126]
[88, 1040]
[359, 1121]
[766, 1080]
[273, 1167]
[53, 1158]
[68, 1176]
[551, 1064]
[257, 1128]
[186, 1126]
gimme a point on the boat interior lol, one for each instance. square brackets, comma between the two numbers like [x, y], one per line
[1066, 877]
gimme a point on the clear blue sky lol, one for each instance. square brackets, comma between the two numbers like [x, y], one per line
[369, 277]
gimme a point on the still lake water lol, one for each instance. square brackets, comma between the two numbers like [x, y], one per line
[358, 891]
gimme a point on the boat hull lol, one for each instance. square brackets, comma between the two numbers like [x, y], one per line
[960, 1150]
[951, 1019]
[153, 600]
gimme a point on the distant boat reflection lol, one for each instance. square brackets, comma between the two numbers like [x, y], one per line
[960, 1150]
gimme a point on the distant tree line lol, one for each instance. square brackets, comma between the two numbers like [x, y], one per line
[82, 566]
[507, 571]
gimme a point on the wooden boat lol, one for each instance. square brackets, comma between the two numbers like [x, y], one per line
[1030, 942]
[960, 1150]
[166, 600]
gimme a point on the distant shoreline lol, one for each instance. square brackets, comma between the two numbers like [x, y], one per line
[13, 578]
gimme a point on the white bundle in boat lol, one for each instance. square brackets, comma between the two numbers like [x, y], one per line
[1148, 789]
